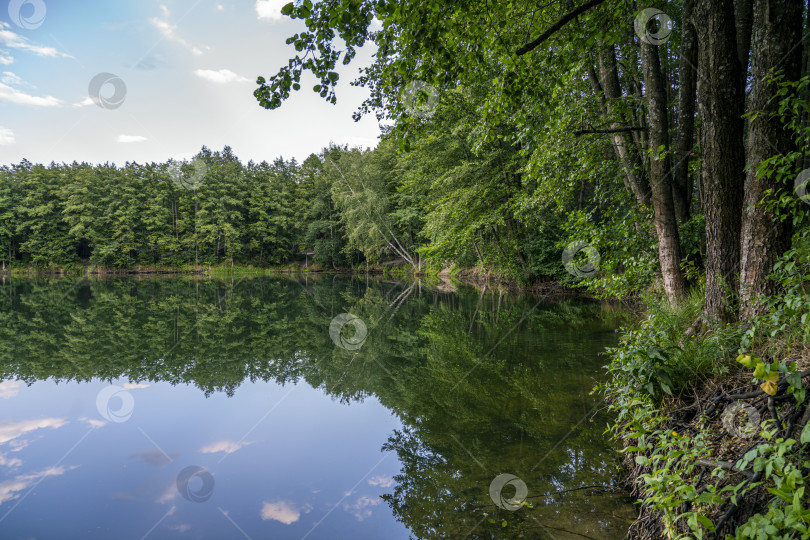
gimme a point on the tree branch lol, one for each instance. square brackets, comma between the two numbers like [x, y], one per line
[556, 26]
[609, 130]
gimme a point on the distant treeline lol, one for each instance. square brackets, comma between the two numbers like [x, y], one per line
[438, 203]
[154, 214]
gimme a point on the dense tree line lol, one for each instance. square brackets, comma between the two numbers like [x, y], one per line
[149, 214]
[671, 115]
[441, 202]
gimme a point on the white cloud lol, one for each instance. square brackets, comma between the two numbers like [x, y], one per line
[9, 490]
[229, 447]
[10, 78]
[169, 32]
[183, 527]
[283, 512]
[5, 59]
[131, 139]
[270, 9]
[382, 481]
[85, 102]
[131, 385]
[220, 7]
[223, 76]
[8, 389]
[16, 41]
[12, 95]
[12, 430]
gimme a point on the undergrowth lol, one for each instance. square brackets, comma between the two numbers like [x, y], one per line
[715, 427]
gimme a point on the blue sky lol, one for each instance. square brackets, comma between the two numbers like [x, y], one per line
[189, 67]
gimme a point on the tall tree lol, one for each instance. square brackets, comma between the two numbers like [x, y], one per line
[721, 106]
[777, 32]
[661, 178]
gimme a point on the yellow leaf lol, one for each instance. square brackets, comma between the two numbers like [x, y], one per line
[769, 387]
[746, 360]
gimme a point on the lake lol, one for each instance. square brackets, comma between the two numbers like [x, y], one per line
[319, 408]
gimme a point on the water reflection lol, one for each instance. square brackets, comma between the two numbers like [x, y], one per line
[169, 375]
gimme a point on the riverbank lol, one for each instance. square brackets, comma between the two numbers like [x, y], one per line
[714, 427]
[478, 276]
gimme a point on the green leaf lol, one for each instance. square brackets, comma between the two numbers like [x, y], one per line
[762, 372]
[706, 522]
[333, 76]
[287, 9]
[804, 438]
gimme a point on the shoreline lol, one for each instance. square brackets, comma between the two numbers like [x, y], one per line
[476, 277]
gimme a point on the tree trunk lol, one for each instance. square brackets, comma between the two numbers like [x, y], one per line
[744, 20]
[778, 28]
[666, 227]
[622, 142]
[721, 108]
[196, 250]
[682, 187]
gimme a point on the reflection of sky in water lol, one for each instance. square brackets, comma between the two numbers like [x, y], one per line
[288, 462]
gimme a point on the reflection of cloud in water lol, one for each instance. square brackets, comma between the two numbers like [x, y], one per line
[10, 489]
[361, 509]
[229, 447]
[12, 430]
[283, 511]
[169, 494]
[382, 481]
[10, 462]
[153, 458]
[93, 422]
[10, 433]
[9, 389]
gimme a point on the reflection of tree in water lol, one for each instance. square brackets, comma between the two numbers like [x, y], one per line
[512, 413]
[484, 383]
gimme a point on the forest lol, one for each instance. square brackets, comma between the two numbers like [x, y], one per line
[345, 206]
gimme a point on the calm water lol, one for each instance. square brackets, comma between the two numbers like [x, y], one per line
[320, 409]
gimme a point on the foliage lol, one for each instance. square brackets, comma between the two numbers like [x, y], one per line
[658, 356]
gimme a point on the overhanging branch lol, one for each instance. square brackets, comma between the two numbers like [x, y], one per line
[557, 25]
